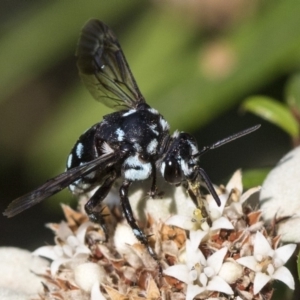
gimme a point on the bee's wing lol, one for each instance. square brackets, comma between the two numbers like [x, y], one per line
[104, 69]
[56, 184]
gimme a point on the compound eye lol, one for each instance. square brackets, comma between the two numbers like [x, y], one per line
[143, 157]
[172, 171]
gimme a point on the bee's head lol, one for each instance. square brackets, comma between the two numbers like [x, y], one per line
[180, 159]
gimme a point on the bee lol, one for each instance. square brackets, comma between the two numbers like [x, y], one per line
[133, 143]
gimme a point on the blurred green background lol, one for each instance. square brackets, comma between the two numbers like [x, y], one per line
[194, 61]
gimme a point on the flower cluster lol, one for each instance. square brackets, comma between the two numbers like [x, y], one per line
[228, 255]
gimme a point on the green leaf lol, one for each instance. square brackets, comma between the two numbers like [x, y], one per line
[254, 177]
[292, 91]
[274, 112]
[298, 265]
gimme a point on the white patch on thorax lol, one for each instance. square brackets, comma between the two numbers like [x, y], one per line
[129, 112]
[120, 134]
[79, 150]
[175, 134]
[152, 146]
[153, 128]
[153, 111]
[137, 147]
[143, 172]
[164, 124]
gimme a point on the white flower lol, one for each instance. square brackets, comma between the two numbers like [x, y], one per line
[267, 263]
[233, 197]
[231, 271]
[88, 277]
[216, 213]
[231, 208]
[173, 200]
[280, 196]
[200, 274]
[18, 277]
[193, 220]
[71, 246]
[123, 239]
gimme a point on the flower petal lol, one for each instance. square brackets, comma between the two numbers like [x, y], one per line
[203, 279]
[63, 231]
[280, 196]
[180, 272]
[283, 274]
[235, 182]
[285, 252]
[46, 251]
[248, 261]
[96, 293]
[193, 256]
[196, 237]
[72, 241]
[216, 260]
[249, 193]
[235, 209]
[221, 223]
[56, 264]
[68, 251]
[81, 232]
[260, 280]
[82, 249]
[262, 246]
[215, 210]
[218, 284]
[193, 290]
[181, 222]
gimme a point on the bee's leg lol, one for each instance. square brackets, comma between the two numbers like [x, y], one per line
[93, 206]
[209, 186]
[153, 190]
[131, 221]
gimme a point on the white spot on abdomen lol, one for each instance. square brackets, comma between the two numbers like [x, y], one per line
[69, 162]
[79, 150]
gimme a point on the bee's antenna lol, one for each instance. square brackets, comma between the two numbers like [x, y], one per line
[227, 140]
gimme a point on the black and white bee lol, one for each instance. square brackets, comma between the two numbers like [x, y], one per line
[133, 143]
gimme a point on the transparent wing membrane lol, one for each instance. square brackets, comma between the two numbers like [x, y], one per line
[104, 69]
